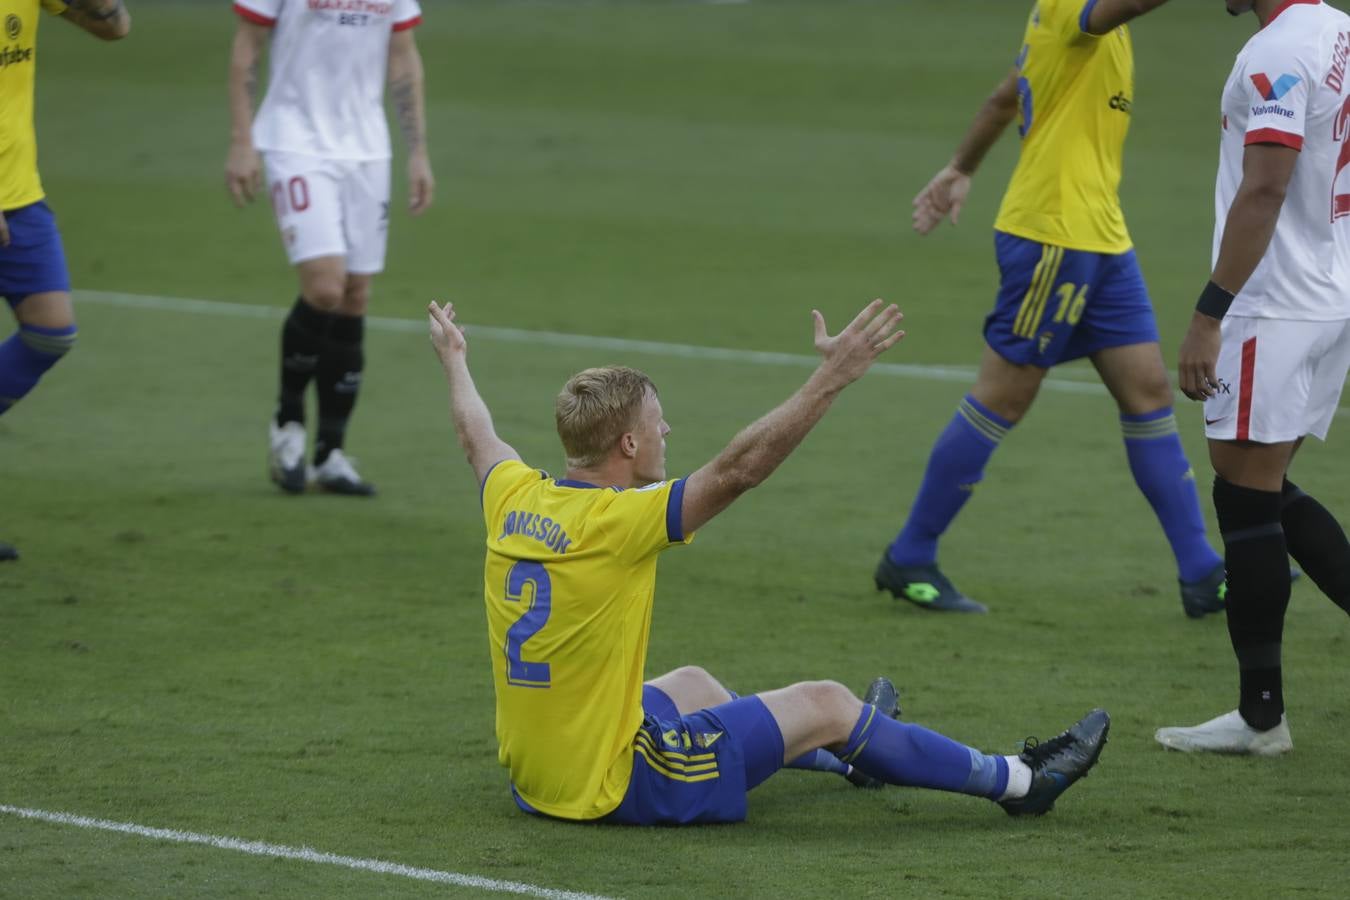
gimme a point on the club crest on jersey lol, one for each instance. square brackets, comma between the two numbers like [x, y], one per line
[13, 26]
[1276, 91]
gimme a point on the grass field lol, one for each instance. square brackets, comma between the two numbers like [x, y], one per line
[182, 647]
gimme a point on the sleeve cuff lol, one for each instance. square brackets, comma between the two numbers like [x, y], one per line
[249, 15]
[1085, 15]
[408, 23]
[486, 475]
[1274, 136]
[675, 513]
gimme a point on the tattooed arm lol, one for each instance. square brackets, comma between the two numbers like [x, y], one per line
[405, 88]
[243, 169]
[106, 19]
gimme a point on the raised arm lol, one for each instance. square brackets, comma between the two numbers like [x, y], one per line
[1104, 16]
[946, 193]
[104, 19]
[1266, 171]
[408, 94]
[473, 422]
[243, 168]
[754, 453]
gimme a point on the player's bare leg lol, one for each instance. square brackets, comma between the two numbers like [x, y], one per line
[1002, 394]
[46, 333]
[1248, 498]
[1137, 378]
[692, 688]
[826, 714]
[1006, 388]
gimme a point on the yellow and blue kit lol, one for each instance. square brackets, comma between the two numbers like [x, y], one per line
[1070, 281]
[569, 583]
[34, 262]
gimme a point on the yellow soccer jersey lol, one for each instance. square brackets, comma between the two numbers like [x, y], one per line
[19, 183]
[569, 582]
[1075, 90]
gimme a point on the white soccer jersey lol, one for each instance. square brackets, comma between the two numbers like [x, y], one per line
[1288, 87]
[326, 74]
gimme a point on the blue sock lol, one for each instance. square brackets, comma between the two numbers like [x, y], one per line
[819, 761]
[905, 754]
[1165, 477]
[955, 466]
[26, 355]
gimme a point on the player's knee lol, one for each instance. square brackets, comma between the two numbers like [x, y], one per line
[1009, 400]
[355, 297]
[697, 681]
[1149, 393]
[324, 294]
[835, 705]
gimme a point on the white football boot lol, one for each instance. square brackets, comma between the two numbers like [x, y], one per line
[287, 456]
[1229, 733]
[338, 475]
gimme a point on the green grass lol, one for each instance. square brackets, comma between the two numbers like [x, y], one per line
[182, 647]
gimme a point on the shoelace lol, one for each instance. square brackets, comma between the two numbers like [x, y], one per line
[1038, 751]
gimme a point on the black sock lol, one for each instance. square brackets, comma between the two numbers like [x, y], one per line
[1317, 543]
[302, 338]
[338, 380]
[1258, 595]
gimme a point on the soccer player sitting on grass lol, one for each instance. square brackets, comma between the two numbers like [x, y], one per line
[33, 275]
[570, 578]
[1071, 287]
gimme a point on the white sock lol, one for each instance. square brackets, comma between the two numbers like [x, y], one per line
[1019, 779]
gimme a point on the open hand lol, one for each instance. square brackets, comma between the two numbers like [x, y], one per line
[851, 352]
[943, 196]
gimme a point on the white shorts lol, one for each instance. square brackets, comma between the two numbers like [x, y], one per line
[1279, 379]
[330, 207]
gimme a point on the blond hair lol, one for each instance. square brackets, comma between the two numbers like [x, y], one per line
[595, 408]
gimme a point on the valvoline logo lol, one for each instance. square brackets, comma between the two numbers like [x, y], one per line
[1272, 92]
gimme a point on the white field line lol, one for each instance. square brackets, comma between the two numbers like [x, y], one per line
[963, 374]
[303, 854]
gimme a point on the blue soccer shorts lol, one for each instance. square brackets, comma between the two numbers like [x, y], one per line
[698, 768]
[34, 262]
[1056, 305]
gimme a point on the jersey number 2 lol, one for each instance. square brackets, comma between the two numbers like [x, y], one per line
[520, 672]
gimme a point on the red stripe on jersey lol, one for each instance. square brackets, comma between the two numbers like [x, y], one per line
[249, 15]
[408, 23]
[1274, 136]
[1245, 388]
